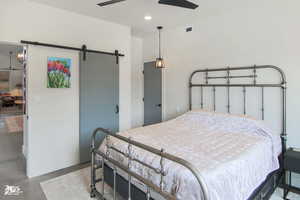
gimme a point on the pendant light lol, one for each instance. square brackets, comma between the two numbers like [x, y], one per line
[21, 57]
[159, 61]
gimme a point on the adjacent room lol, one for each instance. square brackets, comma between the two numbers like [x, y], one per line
[149, 100]
[12, 111]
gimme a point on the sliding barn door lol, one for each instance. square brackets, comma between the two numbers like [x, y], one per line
[99, 98]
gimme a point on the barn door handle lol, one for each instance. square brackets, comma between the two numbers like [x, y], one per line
[117, 109]
[158, 105]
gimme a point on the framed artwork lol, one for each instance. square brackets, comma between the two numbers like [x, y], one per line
[59, 72]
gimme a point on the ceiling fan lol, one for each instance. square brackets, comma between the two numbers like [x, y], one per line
[178, 3]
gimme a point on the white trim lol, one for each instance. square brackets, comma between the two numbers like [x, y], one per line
[163, 97]
[24, 151]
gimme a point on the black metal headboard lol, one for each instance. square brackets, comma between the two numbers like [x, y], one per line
[208, 74]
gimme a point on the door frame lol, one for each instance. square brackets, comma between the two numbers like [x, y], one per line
[25, 114]
[163, 91]
[163, 98]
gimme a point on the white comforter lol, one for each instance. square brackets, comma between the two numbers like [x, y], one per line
[234, 154]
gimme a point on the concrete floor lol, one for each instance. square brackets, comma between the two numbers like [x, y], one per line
[12, 168]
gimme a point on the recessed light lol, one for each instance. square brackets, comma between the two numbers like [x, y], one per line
[148, 17]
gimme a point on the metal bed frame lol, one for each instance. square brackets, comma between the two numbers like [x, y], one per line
[110, 175]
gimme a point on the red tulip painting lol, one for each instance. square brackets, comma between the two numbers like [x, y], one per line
[59, 73]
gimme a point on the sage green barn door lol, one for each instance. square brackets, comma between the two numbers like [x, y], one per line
[99, 98]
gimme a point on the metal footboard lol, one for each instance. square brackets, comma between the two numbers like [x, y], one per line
[105, 158]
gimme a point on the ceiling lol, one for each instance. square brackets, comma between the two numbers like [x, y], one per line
[131, 13]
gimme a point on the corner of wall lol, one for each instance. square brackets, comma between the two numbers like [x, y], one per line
[137, 82]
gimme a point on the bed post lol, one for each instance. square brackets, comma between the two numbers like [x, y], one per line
[93, 173]
[190, 93]
[94, 192]
[284, 134]
[129, 148]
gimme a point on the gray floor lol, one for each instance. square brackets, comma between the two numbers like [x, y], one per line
[12, 168]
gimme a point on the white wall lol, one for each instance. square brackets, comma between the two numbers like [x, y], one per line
[53, 114]
[233, 33]
[137, 84]
[53, 122]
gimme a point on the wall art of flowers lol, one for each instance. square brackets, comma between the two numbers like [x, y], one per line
[59, 73]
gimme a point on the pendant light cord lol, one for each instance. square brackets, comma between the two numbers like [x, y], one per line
[159, 45]
[159, 39]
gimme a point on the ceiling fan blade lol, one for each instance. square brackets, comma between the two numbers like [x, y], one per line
[106, 3]
[179, 3]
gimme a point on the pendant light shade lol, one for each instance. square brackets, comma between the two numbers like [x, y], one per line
[159, 61]
[21, 57]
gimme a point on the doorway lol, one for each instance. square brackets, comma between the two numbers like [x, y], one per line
[152, 94]
[99, 98]
[12, 110]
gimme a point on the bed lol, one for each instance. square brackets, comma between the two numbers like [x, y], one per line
[200, 155]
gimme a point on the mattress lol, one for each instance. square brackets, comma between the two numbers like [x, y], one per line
[234, 154]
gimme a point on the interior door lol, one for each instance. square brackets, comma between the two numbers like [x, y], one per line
[152, 94]
[99, 98]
